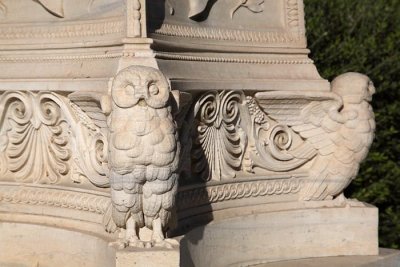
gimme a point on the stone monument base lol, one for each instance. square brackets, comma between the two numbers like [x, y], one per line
[147, 258]
[386, 258]
[283, 235]
[260, 235]
[32, 245]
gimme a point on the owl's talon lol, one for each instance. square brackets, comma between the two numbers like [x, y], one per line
[165, 243]
[119, 244]
[136, 243]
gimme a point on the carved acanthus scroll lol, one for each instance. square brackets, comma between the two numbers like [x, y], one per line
[326, 134]
[47, 139]
[338, 125]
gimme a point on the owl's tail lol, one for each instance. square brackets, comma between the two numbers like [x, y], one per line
[159, 199]
[108, 222]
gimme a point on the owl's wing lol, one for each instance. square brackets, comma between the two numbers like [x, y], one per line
[316, 117]
[90, 103]
[313, 115]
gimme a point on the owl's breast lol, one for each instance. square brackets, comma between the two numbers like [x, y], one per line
[142, 121]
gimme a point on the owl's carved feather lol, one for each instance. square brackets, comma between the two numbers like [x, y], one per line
[339, 125]
[143, 150]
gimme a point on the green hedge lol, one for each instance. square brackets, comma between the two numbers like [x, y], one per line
[364, 36]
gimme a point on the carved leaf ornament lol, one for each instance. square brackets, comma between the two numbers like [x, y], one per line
[44, 140]
[219, 145]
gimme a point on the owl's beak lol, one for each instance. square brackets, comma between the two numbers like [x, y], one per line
[371, 91]
[141, 92]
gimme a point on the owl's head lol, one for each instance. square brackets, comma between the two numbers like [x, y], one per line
[139, 85]
[353, 87]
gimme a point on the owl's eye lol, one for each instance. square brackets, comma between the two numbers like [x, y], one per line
[153, 89]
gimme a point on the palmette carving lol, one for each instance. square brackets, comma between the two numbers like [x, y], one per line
[143, 155]
[219, 143]
[44, 139]
[339, 125]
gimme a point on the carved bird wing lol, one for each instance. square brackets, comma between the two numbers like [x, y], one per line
[313, 115]
[91, 104]
[316, 118]
[87, 107]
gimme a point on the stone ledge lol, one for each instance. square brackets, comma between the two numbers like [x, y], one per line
[386, 258]
[283, 236]
[147, 257]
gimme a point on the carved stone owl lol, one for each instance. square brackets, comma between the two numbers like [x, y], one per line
[143, 154]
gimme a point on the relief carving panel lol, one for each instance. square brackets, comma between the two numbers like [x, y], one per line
[47, 139]
[326, 134]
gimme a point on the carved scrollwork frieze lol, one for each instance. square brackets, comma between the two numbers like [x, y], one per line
[51, 197]
[233, 137]
[326, 134]
[46, 139]
[190, 198]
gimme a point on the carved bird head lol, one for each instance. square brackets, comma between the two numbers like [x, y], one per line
[353, 87]
[139, 85]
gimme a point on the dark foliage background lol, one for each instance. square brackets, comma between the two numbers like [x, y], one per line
[364, 36]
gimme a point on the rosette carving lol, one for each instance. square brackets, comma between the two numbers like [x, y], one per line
[46, 139]
[220, 141]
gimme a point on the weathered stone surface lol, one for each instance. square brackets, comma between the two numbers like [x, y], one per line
[283, 235]
[386, 258]
[154, 257]
[23, 244]
[115, 116]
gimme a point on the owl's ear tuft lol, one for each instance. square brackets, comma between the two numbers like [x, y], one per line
[105, 103]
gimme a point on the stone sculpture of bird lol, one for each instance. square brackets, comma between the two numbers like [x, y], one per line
[339, 125]
[143, 154]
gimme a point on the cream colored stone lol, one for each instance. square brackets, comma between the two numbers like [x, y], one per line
[148, 258]
[23, 244]
[106, 104]
[143, 155]
[283, 235]
[386, 258]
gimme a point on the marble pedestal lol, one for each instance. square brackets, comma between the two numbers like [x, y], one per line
[283, 235]
[386, 258]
